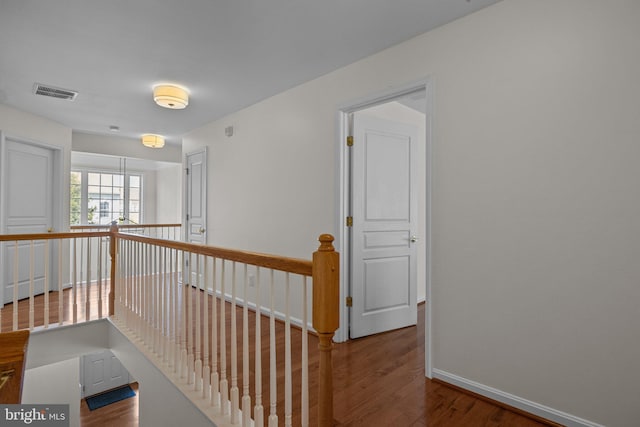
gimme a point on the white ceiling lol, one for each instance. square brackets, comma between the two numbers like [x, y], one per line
[228, 53]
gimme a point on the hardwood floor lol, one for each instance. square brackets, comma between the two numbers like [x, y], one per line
[83, 297]
[378, 381]
[119, 414]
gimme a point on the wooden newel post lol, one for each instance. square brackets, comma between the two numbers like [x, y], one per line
[112, 252]
[326, 320]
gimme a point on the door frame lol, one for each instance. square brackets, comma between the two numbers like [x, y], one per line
[58, 191]
[84, 368]
[343, 193]
[186, 195]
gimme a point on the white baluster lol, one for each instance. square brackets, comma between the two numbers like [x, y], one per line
[137, 326]
[215, 378]
[47, 244]
[305, 358]
[31, 284]
[177, 313]
[198, 363]
[155, 304]
[206, 371]
[161, 304]
[158, 301]
[131, 277]
[246, 397]
[141, 283]
[16, 284]
[183, 341]
[235, 404]
[190, 355]
[100, 277]
[165, 308]
[172, 314]
[177, 329]
[141, 289]
[60, 299]
[75, 280]
[149, 289]
[87, 285]
[287, 355]
[224, 387]
[144, 295]
[258, 410]
[273, 417]
[133, 273]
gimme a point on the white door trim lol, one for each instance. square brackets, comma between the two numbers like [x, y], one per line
[57, 210]
[186, 195]
[342, 235]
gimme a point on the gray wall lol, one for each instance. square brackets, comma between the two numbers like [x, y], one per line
[535, 237]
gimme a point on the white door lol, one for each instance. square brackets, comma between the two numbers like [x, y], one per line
[384, 211]
[101, 372]
[196, 196]
[27, 208]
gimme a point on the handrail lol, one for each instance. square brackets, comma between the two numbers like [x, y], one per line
[323, 269]
[291, 265]
[52, 236]
[12, 364]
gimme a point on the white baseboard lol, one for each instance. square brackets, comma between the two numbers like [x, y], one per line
[514, 401]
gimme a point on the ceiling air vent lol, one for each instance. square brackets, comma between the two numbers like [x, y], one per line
[54, 92]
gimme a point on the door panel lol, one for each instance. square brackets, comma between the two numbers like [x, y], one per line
[384, 210]
[101, 372]
[378, 295]
[196, 197]
[28, 208]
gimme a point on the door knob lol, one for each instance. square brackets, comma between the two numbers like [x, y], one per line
[202, 230]
[414, 239]
[50, 230]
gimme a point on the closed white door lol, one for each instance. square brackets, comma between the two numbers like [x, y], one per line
[196, 196]
[101, 372]
[384, 212]
[27, 208]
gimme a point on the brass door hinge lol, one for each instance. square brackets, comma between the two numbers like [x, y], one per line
[349, 302]
[349, 221]
[349, 141]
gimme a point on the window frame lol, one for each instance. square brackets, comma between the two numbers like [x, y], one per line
[84, 192]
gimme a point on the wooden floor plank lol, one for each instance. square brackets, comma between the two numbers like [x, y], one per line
[378, 381]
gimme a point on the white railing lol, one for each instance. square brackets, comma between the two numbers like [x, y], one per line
[69, 271]
[188, 323]
[181, 304]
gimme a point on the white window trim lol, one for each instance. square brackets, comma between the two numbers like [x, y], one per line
[84, 190]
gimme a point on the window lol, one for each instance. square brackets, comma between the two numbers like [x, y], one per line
[103, 197]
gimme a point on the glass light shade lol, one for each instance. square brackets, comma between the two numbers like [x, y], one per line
[169, 96]
[152, 141]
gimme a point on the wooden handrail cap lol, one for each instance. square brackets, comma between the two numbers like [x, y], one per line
[326, 241]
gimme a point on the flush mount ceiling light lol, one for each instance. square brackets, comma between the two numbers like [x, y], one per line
[170, 96]
[152, 141]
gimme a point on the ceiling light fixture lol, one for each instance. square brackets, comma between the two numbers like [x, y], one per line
[152, 141]
[170, 96]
